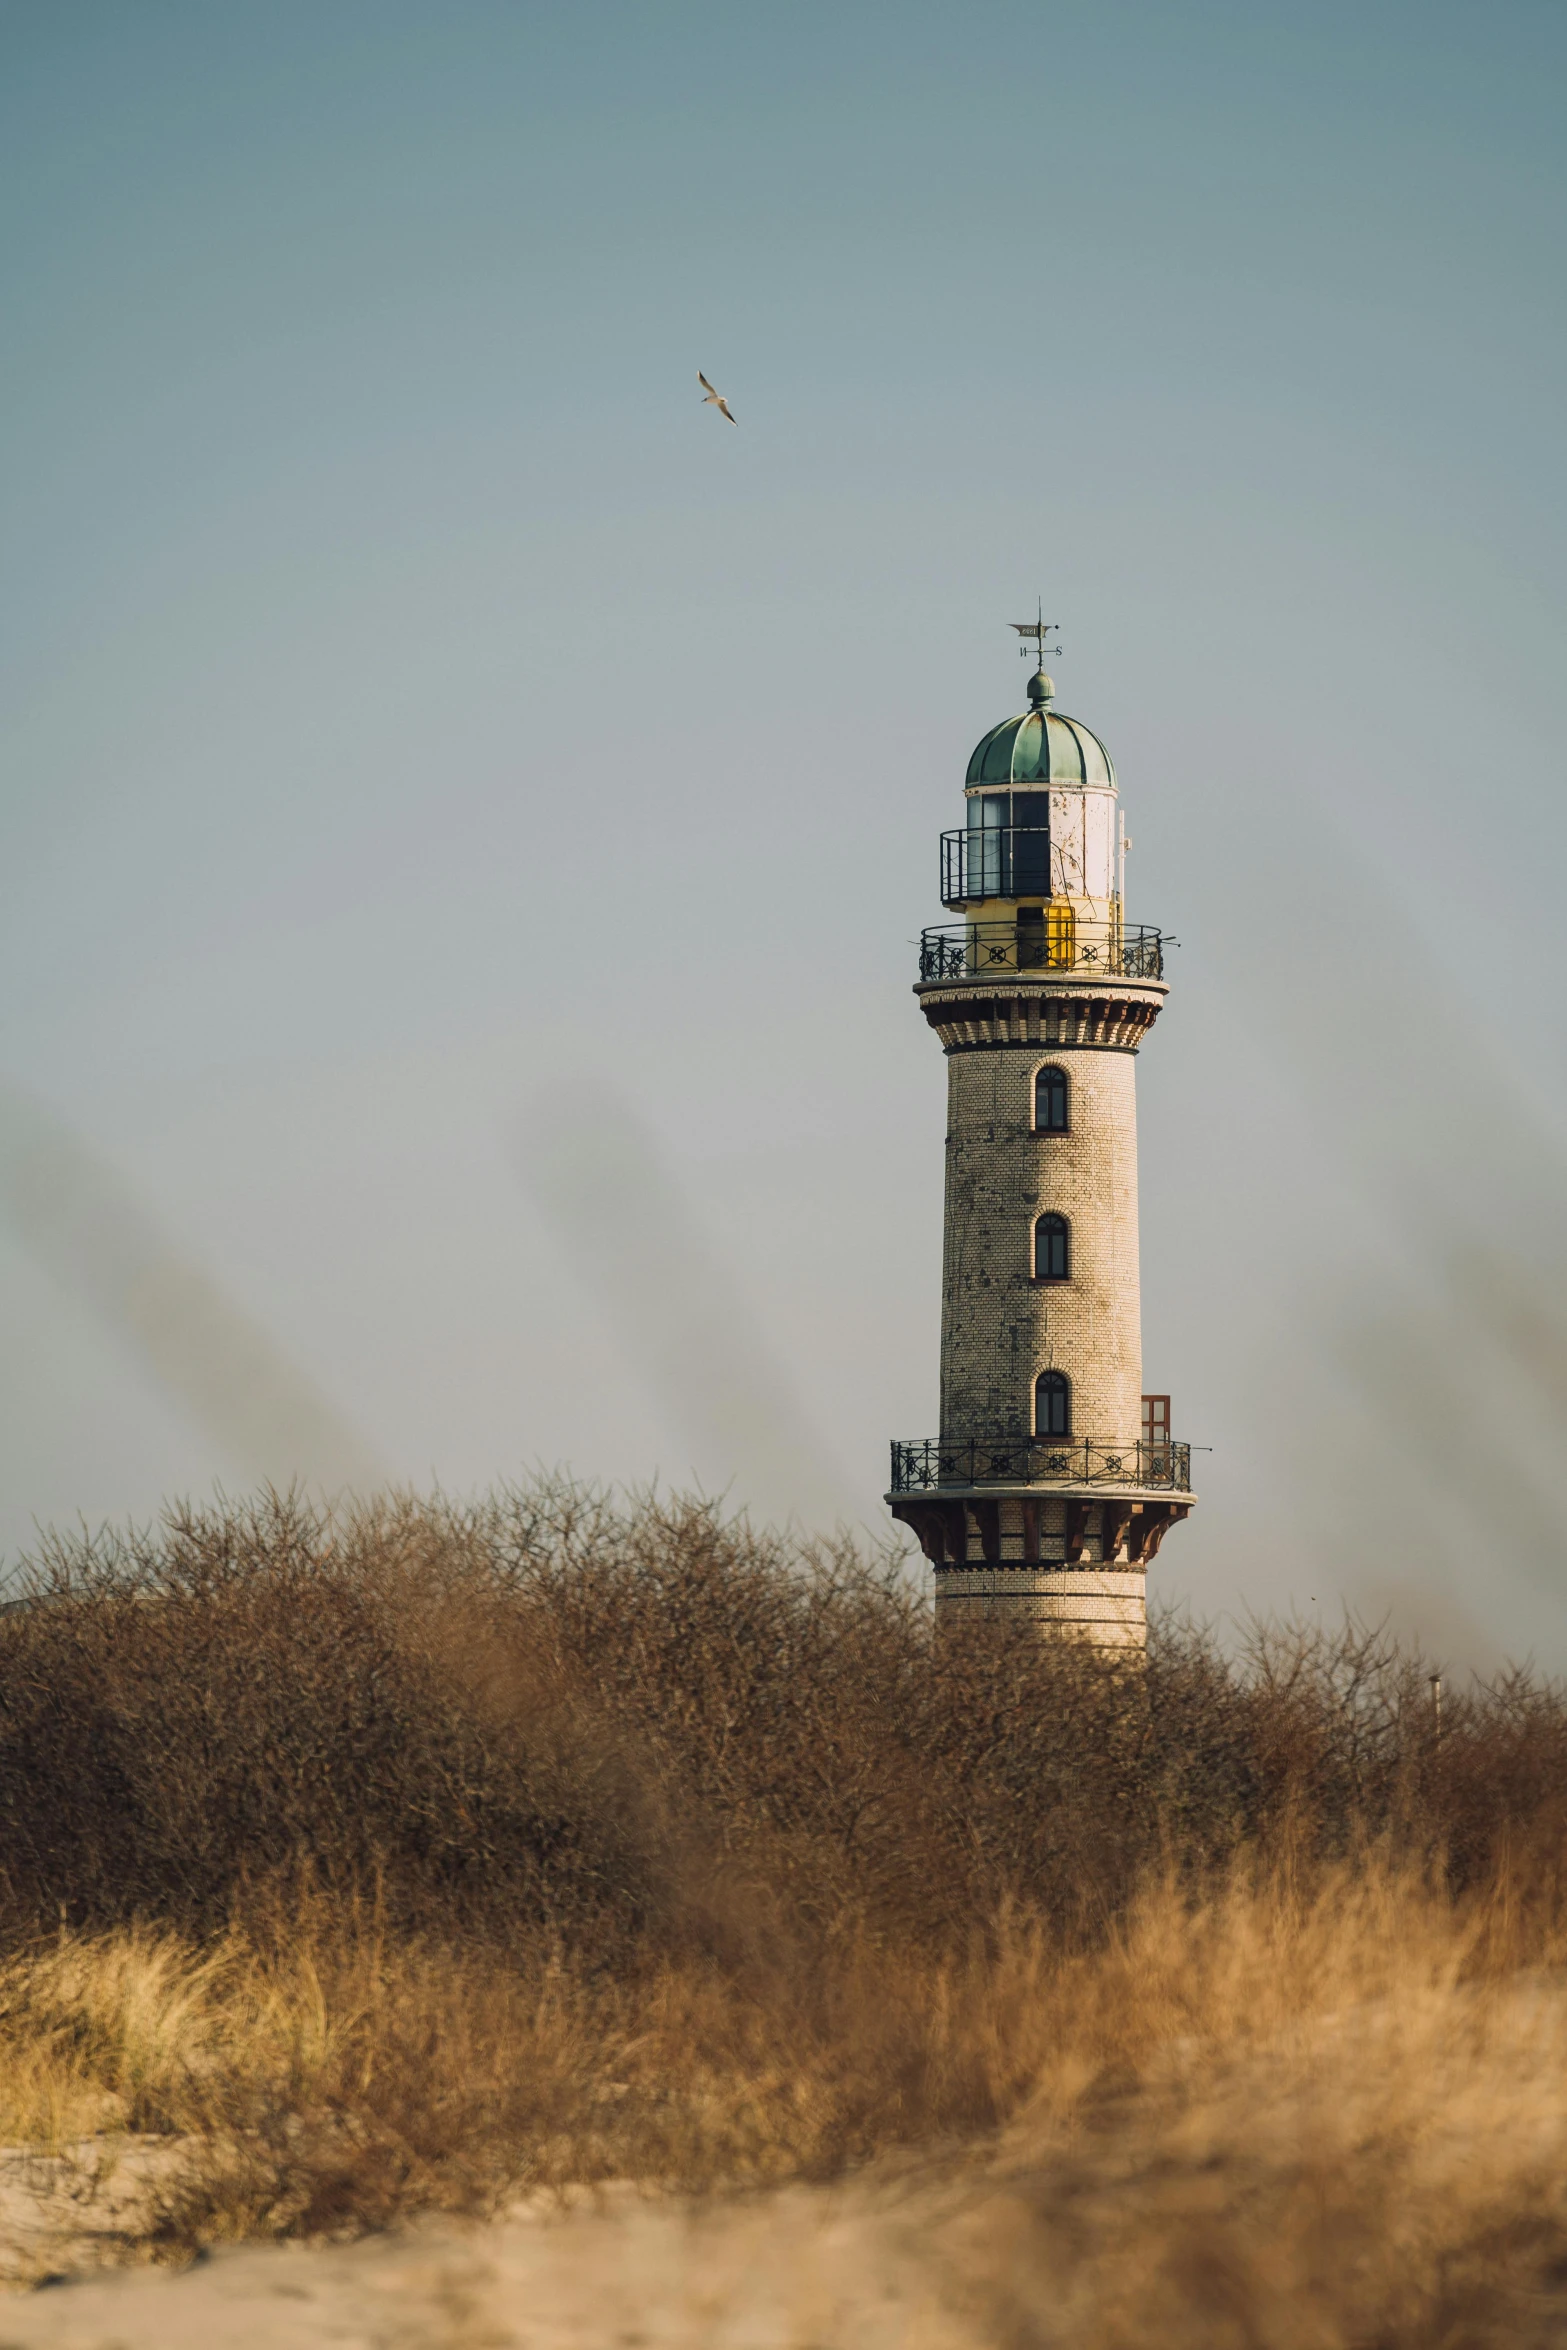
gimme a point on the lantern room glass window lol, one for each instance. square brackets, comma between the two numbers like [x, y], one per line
[1008, 844]
[987, 818]
[1030, 843]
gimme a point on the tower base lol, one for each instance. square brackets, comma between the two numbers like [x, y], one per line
[1104, 1607]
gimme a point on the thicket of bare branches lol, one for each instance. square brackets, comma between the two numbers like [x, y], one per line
[637, 1728]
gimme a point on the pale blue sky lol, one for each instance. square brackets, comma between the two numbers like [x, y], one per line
[412, 697]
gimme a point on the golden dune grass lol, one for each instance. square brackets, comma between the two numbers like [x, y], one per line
[1301, 2111]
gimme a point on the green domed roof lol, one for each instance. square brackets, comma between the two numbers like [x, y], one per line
[1042, 747]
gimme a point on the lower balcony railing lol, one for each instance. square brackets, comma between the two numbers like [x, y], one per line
[922, 1466]
[1060, 942]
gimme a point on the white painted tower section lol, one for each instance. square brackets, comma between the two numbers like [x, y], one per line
[1051, 1484]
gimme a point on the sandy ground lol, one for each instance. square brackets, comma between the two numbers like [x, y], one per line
[73, 2212]
[803, 2269]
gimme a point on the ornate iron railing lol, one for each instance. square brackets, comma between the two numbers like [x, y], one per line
[1059, 942]
[926, 1463]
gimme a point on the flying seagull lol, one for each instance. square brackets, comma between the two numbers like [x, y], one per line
[714, 399]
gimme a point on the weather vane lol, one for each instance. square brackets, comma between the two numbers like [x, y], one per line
[1037, 631]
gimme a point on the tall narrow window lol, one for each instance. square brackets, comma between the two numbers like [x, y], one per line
[1052, 1404]
[1052, 1249]
[1050, 1101]
[1061, 934]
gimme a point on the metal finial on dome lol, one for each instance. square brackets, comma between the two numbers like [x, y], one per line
[1041, 689]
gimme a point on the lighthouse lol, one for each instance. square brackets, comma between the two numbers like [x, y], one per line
[1056, 1474]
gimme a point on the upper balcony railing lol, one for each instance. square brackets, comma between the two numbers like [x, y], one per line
[924, 1466]
[1037, 943]
[1003, 861]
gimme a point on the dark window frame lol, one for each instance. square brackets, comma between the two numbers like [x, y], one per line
[1058, 1387]
[1060, 1091]
[1054, 1231]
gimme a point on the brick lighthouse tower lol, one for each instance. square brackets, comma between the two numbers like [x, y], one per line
[1055, 1477]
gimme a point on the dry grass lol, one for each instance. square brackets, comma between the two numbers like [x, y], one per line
[1359, 2136]
[418, 1861]
[1272, 2115]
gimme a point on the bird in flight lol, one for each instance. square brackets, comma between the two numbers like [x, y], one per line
[714, 399]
